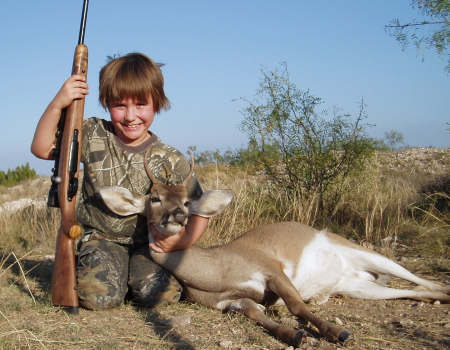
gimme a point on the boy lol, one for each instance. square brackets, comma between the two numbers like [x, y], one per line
[113, 250]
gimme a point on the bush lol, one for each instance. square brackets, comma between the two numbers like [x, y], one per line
[13, 177]
[306, 153]
[436, 195]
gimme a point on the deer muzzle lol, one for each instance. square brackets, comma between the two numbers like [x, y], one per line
[172, 222]
[180, 216]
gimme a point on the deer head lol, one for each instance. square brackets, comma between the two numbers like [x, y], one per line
[167, 207]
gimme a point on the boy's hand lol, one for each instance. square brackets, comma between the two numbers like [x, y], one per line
[187, 236]
[73, 88]
[164, 244]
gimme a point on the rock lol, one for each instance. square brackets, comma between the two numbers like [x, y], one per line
[226, 344]
[338, 321]
[419, 333]
[177, 321]
[406, 323]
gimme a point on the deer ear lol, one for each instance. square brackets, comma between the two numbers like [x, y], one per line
[121, 201]
[211, 203]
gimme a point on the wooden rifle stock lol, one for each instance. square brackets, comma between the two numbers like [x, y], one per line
[65, 185]
[64, 281]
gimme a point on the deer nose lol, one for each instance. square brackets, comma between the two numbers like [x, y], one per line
[179, 215]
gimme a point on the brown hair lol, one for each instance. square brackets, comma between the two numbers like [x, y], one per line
[133, 76]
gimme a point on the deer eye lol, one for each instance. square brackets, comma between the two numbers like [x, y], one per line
[155, 200]
[186, 204]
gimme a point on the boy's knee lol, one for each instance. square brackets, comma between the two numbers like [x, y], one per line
[97, 294]
[102, 282]
[150, 284]
[155, 294]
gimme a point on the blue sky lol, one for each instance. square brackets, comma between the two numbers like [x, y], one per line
[213, 51]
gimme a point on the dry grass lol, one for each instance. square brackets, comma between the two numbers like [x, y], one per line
[378, 208]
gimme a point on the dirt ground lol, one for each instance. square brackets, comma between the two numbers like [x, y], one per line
[28, 320]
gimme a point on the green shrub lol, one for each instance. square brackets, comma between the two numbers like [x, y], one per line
[13, 177]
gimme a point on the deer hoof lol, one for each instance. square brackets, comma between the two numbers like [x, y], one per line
[299, 337]
[343, 336]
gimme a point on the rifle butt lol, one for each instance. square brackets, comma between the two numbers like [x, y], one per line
[64, 280]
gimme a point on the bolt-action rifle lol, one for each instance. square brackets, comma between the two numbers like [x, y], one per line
[64, 186]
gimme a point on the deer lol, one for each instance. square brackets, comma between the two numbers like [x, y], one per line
[281, 263]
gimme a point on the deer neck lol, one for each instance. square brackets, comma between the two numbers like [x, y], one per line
[193, 266]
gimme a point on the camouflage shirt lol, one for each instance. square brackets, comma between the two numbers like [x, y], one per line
[108, 161]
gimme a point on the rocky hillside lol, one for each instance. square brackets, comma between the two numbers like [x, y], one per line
[421, 161]
[426, 161]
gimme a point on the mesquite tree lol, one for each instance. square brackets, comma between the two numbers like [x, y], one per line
[305, 152]
[431, 32]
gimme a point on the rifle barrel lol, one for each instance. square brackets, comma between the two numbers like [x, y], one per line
[83, 22]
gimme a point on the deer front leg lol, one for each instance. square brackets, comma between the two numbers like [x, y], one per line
[252, 310]
[282, 286]
[255, 312]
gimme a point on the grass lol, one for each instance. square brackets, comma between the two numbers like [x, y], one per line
[384, 204]
[375, 206]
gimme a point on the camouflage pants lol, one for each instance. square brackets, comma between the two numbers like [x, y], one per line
[107, 271]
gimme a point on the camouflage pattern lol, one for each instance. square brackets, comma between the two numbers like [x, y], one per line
[102, 272]
[113, 250]
[103, 278]
[150, 284]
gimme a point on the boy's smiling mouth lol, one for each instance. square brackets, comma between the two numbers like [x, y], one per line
[133, 127]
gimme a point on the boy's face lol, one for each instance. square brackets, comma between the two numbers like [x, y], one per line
[131, 119]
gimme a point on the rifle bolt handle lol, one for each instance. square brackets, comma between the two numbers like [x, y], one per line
[58, 179]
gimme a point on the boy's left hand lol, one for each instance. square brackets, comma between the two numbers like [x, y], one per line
[187, 236]
[165, 244]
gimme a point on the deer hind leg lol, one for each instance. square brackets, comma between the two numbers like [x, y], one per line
[282, 286]
[255, 312]
[380, 265]
[362, 289]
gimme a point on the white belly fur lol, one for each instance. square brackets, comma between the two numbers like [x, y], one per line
[318, 270]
